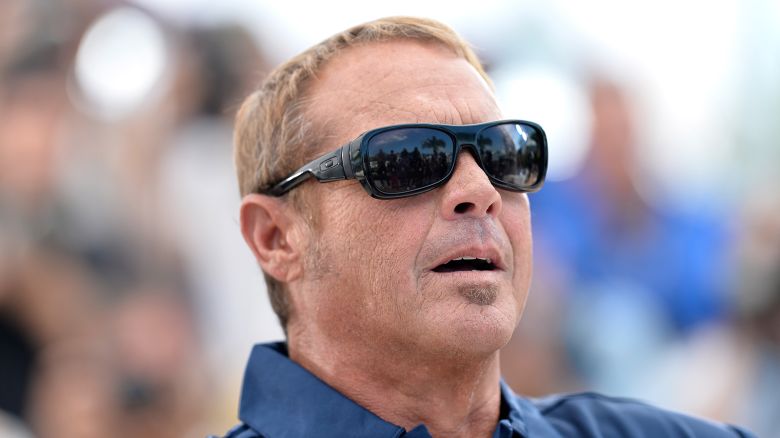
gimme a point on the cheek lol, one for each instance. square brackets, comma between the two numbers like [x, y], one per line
[372, 243]
[516, 220]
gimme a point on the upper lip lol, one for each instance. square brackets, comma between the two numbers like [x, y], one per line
[477, 251]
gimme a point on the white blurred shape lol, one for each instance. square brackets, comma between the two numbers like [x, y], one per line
[120, 60]
[559, 105]
[685, 56]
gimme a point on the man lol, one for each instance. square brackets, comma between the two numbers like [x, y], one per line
[397, 290]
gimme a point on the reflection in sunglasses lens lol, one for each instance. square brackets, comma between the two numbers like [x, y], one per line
[406, 159]
[510, 153]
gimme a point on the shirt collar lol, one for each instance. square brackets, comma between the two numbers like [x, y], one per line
[281, 398]
[516, 409]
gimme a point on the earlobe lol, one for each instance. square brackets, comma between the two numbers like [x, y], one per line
[266, 225]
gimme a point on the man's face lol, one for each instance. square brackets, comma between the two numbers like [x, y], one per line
[373, 278]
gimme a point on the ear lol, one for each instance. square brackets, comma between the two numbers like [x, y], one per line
[269, 230]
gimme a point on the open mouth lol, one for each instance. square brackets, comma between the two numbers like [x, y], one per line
[466, 264]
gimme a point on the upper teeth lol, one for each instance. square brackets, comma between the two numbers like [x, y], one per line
[473, 258]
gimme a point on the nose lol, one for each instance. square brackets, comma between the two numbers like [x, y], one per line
[469, 192]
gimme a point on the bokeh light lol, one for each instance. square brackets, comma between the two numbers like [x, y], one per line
[121, 59]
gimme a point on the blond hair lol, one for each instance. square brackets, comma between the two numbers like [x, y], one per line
[271, 127]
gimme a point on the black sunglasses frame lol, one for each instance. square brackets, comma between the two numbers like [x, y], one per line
[348, 161]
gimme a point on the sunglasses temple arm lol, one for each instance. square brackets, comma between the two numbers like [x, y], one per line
[289, 183]
[330, 167]
[326, 168]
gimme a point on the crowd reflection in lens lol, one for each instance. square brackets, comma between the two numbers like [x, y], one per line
[510, 153]
[395, 172]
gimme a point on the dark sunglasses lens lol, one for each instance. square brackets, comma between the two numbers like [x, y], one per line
[513, 153]
[405, 159]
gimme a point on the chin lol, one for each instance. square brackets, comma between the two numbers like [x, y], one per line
[488, 332]
[479, 329]
[475, 318]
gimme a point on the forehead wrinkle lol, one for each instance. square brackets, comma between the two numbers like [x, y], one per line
[388, 110]
[390, 87]
[446, 107]
[476, 108]
[440, 88]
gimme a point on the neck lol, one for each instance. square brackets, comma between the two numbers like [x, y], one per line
[453, 396]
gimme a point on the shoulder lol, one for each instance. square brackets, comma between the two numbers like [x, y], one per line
[240, 431]
[606, 416]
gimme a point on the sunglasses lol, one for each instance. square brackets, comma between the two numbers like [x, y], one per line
[405, 160]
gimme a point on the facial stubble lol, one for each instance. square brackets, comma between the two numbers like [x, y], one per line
[480, 295]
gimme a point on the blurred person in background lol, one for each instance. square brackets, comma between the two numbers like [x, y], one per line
[216, 67]
[758, 319]
[33, 265]
[731, 370]
[97, 329]
[397, 296]
[648, 273]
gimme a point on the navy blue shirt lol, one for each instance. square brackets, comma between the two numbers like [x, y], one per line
[281, 399]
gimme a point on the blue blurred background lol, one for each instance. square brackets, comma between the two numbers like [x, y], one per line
[128, 301]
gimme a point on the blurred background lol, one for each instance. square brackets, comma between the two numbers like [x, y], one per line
[129, 303]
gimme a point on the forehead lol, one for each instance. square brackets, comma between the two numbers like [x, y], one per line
[404, 81]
